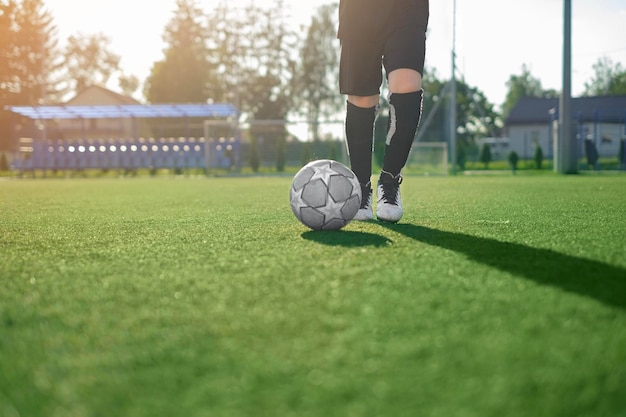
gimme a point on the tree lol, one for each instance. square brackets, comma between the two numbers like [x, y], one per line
[252, 50]
[89, 61]
[513, 160]
[538, 157]
[485, 155]
[523, 85]
[476, 116]
[609, 79]
[461, 154]
[29, 59]
[128, 84]
[317, 80]
[433, 123]
[184, 74]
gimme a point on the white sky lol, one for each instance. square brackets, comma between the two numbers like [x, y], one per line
[494, 37]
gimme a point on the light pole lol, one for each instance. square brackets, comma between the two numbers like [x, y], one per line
[567, 155]
[452, 109]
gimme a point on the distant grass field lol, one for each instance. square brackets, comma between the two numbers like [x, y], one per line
[498, 296]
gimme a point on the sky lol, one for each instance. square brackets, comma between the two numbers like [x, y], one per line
[494, 38]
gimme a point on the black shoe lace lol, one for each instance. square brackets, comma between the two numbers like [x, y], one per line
[390, 189]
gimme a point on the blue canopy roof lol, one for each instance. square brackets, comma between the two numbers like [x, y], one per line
[126, 111]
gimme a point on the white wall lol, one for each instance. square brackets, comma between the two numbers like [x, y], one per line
[524, 138]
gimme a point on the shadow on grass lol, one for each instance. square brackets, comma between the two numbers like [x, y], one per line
[346, 238]
[600, 281]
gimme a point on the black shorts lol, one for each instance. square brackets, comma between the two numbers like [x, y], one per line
[362, 61]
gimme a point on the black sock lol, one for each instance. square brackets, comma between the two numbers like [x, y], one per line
[404, 117]
[360, 139]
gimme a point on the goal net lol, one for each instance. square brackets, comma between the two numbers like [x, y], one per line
[428, 158]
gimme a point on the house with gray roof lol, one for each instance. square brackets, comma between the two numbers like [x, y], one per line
[533, 122]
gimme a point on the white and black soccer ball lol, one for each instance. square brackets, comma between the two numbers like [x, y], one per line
[325, 195]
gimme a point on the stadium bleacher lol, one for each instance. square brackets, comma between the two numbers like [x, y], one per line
[181, 153]
[128, 154]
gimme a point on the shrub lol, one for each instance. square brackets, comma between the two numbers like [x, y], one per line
[538, 157]
[621, 154]
[461, 155]
[513, 160]
[485, 155]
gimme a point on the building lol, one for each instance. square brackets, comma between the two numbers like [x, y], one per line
[601, 120]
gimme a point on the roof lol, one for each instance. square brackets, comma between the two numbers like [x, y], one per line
[608, 109]
[126, 111]
[116, 98]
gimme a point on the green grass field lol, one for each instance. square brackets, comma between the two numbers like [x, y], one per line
[498, 296]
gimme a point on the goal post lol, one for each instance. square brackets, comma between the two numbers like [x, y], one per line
[216, 130]
[428, 158]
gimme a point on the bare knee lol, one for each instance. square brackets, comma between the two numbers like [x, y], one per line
[364, 101]
[404, 80]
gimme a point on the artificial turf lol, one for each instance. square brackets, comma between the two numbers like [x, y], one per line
[493, 296]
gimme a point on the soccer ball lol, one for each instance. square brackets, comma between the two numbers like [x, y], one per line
[325, 195]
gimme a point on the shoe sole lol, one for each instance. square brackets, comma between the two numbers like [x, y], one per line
[389, 218]
[364, 217]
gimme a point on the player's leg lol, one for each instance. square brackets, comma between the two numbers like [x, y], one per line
[360, 79]
[405, 102]
[405, 108]
[361, 114]
[404, 61]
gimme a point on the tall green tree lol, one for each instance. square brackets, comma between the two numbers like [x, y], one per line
[225, 42]
[476, 116]
[89, 61]
[128, 84]
[252, 49]
[29, 60]
[523, 85]
[538, 157]
[183, 75]
[485, 155]
[609, 78]
[317, 95]
[433, 123]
